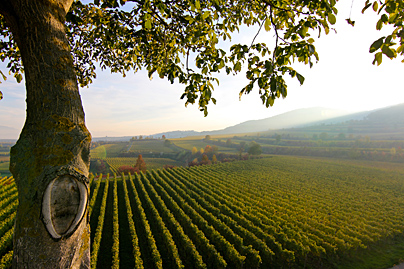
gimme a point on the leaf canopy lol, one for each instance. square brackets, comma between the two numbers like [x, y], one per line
[184, 41]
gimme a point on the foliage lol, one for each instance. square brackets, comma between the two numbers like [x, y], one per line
[127, 169]
[163, 38]
[167, 143]
[98, 166]
[140, 164]
[254, 148]
[98, 233]
[391, 13]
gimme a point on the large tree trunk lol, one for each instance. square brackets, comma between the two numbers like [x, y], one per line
[50, 159]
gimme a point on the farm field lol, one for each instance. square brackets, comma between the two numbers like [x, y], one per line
[277, 212]
[151, 163]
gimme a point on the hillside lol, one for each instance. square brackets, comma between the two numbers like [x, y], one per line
[384, 123]
[279, 212]
[383, 120]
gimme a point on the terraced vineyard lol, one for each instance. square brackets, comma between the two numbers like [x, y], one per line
[279, 212]
[151, 163]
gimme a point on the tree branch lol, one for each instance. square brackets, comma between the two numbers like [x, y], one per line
[262, 23]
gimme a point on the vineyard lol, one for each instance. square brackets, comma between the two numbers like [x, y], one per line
[278, 212]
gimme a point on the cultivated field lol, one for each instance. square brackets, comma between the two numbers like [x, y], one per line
[278, 212]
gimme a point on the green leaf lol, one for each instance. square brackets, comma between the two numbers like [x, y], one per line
[147, 24]
[400, 48]
[375, 6]
[366, 7]
[378, 58]
[392, 17]
[197, 4]
[300, 78]
[388, 52]
[18, 77]
[205, 15]
[331, 18]
[4, 77]
[189, 19]
[376, 45]
[1, 95]
[310, 40]
[379, 24]
[267, 25]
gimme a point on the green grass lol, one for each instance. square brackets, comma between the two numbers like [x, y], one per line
[109, 150]
[191, 142]
[150, 146]
[158, 163]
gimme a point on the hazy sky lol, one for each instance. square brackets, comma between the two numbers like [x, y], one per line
[344, 78]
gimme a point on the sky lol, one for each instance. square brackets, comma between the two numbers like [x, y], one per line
[344, 78]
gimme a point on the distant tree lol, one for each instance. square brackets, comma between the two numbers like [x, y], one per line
[254, 148]
[215, 148]
[140, 164]
[240, 152]
[207, 138]
[208, 149]
[278, 138]
[193, 163]
[167, 143]
[201, 151]
[214, 159]
[228, 142]
[194, 150]
[205, 160]
[98, 166]
[242, 145]
[140, 136]
[163, 137]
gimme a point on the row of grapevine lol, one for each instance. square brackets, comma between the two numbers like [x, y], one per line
[186, 247]
[247, 236]
[152, 255]
[115, 236]
[98, 233]
[170, 258]
[277, 212]
[138, 262]
[94, 194]
[8, 207]
[195, 229]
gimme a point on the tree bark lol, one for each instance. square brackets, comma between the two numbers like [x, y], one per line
[51, 157]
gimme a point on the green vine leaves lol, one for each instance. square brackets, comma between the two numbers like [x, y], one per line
[391, 13]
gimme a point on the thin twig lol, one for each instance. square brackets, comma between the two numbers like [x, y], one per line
[276, 33]
[252, 43]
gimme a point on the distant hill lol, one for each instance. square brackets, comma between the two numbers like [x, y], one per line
[289, 119]
[388, 118]
[382, 123]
